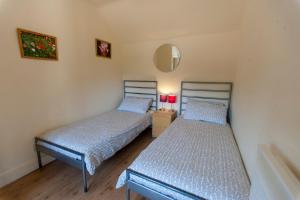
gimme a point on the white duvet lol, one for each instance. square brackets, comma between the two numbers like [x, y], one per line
[99, 137]
[198, 157]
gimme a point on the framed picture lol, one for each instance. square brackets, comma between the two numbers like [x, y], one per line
[103, 48]
[37, 45]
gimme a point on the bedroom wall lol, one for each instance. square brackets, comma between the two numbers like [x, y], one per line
[267, 90]
[206, 32]
[207, 57]
[38, 95]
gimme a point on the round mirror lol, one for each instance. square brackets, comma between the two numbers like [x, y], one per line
[167, 57]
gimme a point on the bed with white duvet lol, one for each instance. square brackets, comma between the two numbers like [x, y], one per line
[196, 157]
[87, 143]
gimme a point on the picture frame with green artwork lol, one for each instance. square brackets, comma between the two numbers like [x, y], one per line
[36, 45]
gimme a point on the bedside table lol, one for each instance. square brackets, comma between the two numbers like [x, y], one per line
[161, 120]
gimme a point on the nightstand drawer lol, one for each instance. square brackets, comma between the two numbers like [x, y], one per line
[161, 121]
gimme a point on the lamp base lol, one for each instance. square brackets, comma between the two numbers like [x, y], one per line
[172, 107]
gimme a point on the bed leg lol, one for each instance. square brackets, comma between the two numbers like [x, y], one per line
[39, 159]
[127, 193]
[38, 153]
[127, 197]
[85, 188]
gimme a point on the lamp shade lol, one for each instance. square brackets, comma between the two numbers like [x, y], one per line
[163, 98]
[172, 99]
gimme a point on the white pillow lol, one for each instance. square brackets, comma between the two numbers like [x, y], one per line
[206, 111]
[135, 104]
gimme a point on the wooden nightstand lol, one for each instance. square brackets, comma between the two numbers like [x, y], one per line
[161, 120]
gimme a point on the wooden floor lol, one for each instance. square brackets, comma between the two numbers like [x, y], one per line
[59, 181]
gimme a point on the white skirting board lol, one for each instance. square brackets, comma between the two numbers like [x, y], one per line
[15, 173]
[273, 180]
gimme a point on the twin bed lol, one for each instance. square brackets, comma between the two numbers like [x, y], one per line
[86, 144]
[192, 159]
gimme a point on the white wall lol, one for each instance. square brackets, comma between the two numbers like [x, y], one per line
[206, 32]
[143, 20]
[208, 57]
[38, 95]
[267, 90]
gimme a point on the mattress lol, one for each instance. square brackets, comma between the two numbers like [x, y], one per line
[99, 137]
[197, 157]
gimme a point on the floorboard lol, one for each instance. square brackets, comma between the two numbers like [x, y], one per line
[60, 181]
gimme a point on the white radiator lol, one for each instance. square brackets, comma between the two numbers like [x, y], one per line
[273, 180]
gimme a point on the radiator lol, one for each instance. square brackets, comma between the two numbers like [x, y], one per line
[273, 179]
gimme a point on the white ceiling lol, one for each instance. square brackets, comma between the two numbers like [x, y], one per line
[142, 20]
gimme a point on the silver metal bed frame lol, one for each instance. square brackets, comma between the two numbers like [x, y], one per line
[208, 91]
[137, 88]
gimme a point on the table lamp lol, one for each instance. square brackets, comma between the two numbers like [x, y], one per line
[163, 99]
[172, 100]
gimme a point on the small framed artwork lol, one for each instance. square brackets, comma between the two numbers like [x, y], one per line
[37, 45]
[103, 48]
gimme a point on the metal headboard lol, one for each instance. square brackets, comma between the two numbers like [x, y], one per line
[141, 88]
[207, 91]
